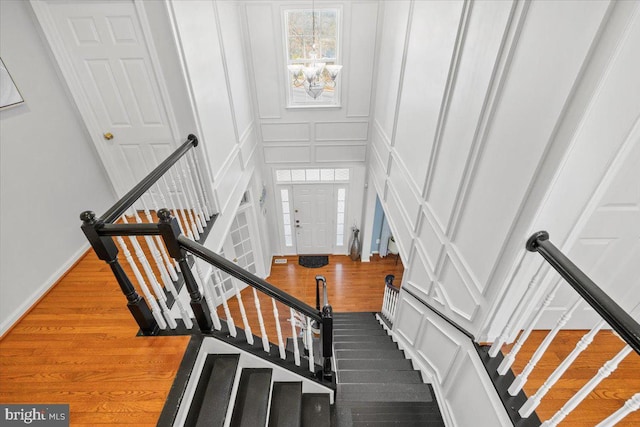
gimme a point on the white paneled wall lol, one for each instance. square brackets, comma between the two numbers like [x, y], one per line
[468, 97]
[450, 363]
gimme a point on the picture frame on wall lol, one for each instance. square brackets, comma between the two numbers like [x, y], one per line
[9, 94]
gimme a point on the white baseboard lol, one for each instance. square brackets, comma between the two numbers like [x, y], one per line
[8, 323]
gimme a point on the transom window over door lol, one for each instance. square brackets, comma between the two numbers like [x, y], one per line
[312, 42]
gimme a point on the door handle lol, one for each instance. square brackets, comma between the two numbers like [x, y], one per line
[108, 136]
[298, 226]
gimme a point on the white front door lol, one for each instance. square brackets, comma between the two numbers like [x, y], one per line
[313, 216]
[102, 51]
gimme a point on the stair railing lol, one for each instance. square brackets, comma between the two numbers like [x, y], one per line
[390, 299]
[176, 182]
[612, 314]
[302, 315]
[164, 264]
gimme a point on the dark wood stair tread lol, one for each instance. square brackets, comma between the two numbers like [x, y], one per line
[316, 410]
[286, 404]
[252, 399]
[211, 398]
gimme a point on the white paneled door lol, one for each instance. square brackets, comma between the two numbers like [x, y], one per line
[105, 59]
[313, 218]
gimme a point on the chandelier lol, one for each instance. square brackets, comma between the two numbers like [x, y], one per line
[315, 76]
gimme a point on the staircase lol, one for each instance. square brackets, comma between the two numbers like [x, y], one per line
[376, 386]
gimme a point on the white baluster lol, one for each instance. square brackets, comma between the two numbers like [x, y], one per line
[201, 176]
[394, 304]
[522, 305]
[521, 379]
[603, 373]
[385, 302]
[217, 279]
[172, 206]
[263, 331]
[209, 296]
[184, 223]
[629, 406]
[160, 295]
[247, 329]
[155, 308]
[511, 357]
[294, 337]
[185, 197]
[532, 403]
[278, 330]
[166, 280]
[182, 198]
[312, 367]
[198, 183]
[167, 261]
[191, 186]
[190, 196]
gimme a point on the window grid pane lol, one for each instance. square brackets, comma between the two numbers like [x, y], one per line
[326, 174]
[297, 175]
[342, 174]
[283, 175]
[313, 174]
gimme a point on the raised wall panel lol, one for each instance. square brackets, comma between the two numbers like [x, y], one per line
[398, 221]
[419, 274]
[429, 240]
[227, 180]
[287, 154]
[459, 292]
[433, 336]
[468, 377]
[231, 32]
[341, 131]
[278, 132]
[447, 355]
[390, 62]
[364, 17]
[266, 69]
[408, 320]
[248, 144]
[378, 171]
[340, 153]
[381, 145]
[516, 142]
[430, 51]
[407, 194]
[485, 29]
[198, 33]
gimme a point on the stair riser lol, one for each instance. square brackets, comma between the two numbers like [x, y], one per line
[365, 346]
[367, 354]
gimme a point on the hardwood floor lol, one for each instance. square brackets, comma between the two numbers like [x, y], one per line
[79, 345]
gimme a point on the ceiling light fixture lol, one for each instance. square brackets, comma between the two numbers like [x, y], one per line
[314, 75]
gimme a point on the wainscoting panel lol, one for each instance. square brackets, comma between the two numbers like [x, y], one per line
[398, 220]
[280, 132]
[287, 153]
[364, 17]
[227, 179]
[265, 59]
[248, 144]
[333, 153]
[429, 62]
[407, 192]
[430, 240]
[458, 291]
[419, 274]
[447, 356]
[341, 131]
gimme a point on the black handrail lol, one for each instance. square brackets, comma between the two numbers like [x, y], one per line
[136, 192]
[248, 278]
[610, 311]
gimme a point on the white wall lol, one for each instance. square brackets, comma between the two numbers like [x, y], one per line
[591, 208]
[49, 170]
[458, 147]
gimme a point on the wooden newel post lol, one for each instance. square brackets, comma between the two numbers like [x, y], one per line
[326, 332]
[107, 251]
[170, 230]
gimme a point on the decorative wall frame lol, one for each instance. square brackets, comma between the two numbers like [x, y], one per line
[9, 94]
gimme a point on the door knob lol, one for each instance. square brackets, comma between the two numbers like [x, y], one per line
[298, 226]
[108, 136]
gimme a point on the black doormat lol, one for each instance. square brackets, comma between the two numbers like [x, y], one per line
[313, 261]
